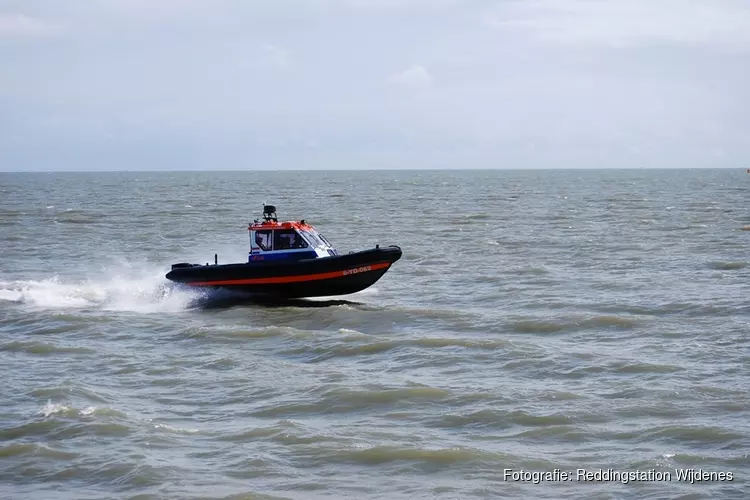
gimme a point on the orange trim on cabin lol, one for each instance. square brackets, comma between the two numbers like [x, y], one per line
[259, 226]
[294, 279]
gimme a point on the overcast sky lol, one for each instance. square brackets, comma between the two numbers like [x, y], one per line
[232, 84]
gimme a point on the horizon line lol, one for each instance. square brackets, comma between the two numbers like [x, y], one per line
[384, 169]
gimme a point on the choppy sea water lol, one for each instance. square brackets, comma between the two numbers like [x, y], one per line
[544, 321]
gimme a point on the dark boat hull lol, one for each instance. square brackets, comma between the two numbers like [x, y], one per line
[318, 277]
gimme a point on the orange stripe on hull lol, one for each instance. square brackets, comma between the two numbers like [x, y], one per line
[294, 279]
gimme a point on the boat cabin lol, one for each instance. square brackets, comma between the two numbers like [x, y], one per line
[290, 240]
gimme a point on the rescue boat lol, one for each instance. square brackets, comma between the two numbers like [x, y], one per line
[290, 259]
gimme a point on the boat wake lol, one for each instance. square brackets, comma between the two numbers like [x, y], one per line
[141, 291]
[145, 291]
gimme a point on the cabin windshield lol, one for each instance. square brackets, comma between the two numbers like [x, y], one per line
[314, 238]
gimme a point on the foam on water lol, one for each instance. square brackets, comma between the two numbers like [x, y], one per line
[60, 409]
[124, 289]
[177, 430]
[367, 292]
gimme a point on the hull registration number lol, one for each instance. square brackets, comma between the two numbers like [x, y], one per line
[357, 270]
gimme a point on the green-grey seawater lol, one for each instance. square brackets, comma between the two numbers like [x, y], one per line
[539, 323]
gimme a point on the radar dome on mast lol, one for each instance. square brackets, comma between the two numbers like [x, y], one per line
[269, 213]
